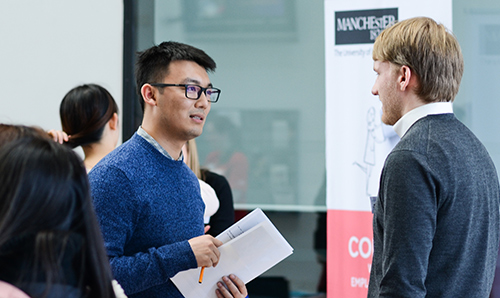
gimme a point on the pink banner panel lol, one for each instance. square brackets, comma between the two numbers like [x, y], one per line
[350, 251]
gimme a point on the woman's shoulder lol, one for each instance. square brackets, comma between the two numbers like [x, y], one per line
[213, 178]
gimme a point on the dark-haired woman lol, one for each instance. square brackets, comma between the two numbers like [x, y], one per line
[89, 115]
[50, 242]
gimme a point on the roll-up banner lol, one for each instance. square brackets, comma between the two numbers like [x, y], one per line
[357, 142]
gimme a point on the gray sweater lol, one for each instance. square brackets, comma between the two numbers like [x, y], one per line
[436, 220]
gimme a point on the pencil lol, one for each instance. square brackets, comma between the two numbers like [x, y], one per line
[201, 275]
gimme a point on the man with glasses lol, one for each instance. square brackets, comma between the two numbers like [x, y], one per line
[147, 199]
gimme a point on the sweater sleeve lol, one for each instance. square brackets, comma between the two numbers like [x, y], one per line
[119, 212]
[409, 209]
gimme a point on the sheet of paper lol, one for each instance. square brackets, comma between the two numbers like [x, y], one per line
[246, 223]
[251, 246]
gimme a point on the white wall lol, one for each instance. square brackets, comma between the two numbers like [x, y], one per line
[48, 47]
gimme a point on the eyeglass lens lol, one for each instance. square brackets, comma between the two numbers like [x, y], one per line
[194, 92]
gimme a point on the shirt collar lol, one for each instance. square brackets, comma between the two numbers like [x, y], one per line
[155, 144]
[408, 119]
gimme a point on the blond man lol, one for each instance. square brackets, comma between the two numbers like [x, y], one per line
[436, 219]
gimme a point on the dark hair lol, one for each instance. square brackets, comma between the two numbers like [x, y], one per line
[10, 132]
[153, 64]
[46, 199]
[84, 112]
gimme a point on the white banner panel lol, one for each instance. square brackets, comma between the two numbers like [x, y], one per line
[357, 142]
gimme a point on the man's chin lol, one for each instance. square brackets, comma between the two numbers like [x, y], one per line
[194, 134]
[388, 121]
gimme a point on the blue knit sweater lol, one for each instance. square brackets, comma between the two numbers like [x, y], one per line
[148, 207]
[436, 220]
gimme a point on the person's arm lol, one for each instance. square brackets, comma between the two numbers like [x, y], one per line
[224, 217]
[408, 198]
[119, 211]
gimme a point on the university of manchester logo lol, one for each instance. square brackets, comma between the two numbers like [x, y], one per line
[362, 26]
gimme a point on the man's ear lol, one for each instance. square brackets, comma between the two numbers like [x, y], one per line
[404, 78]
[113, 122]
[148, 94]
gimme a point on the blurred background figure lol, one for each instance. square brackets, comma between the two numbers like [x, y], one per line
[50, 242]
[226, 157]
[89, 116]
[215, 192]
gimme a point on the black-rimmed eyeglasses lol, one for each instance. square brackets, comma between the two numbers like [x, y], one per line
[194, 91]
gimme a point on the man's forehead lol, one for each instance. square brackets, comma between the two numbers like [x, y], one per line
[190, 80]
[188, 72]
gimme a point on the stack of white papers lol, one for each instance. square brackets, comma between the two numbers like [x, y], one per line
[251, 246]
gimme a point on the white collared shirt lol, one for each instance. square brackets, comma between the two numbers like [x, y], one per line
[408, 119]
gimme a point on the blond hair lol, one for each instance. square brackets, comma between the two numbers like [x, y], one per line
[193, 161]
[429, 50]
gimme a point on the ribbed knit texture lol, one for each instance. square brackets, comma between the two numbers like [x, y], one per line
[148, 207]
[436, 220]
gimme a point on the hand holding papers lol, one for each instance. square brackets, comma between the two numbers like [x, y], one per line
[251, 246]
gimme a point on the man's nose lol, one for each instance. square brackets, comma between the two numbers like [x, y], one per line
[202, 101]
